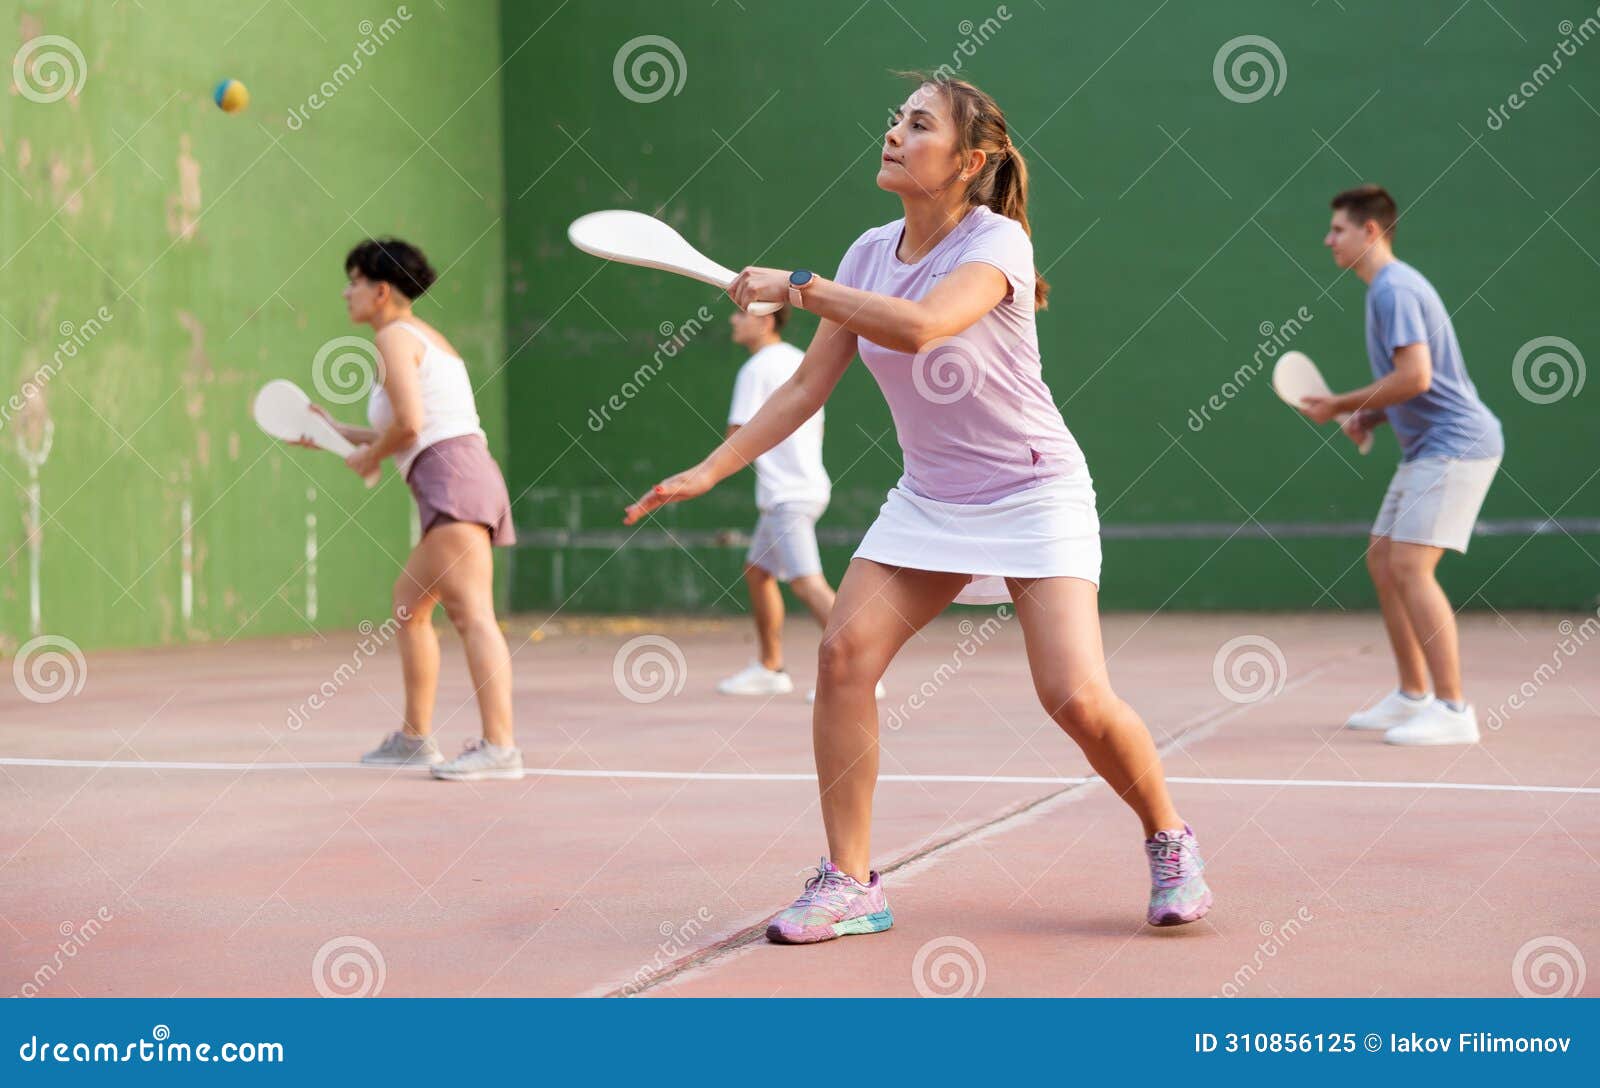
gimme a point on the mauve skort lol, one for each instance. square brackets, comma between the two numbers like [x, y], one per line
[458, 480]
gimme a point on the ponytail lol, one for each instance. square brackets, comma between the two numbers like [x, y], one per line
[1002, 184]
[1008, 196]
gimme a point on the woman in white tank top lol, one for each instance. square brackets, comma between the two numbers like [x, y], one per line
[422, 414]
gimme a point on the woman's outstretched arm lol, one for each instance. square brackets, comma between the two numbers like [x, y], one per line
[794, 402]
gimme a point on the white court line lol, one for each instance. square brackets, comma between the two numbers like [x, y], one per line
[739, 776]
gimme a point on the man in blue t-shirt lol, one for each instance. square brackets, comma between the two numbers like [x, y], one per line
[1451, 446]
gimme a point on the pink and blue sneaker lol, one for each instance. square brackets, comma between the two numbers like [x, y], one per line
[1178, 892]
[835, 904]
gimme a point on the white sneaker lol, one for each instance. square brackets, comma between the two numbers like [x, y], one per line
[1392, 710]
[877, 693]
[1437, 724]
[480, 760]
[756, 679]
[401, 747]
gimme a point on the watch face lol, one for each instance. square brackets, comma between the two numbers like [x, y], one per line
[799, 277]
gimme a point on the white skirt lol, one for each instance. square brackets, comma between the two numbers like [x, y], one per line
[1048, 531]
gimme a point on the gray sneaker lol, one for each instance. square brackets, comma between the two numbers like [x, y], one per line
[400, 747]
[480, 760]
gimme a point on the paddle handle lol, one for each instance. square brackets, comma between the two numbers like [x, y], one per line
[337, 444]
[724, 277]
[370, 481]
[1366, 443]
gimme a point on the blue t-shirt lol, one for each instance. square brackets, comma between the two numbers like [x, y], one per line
[1448, 420]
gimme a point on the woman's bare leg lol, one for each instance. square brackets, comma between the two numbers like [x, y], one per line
[413, 603]
[878, 608]
[1060, 620]
[457, 569]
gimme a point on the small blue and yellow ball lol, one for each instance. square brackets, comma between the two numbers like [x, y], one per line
[232, 96]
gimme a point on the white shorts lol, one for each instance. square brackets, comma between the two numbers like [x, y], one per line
[1048, 531]
[1435, 501]
[785, 541]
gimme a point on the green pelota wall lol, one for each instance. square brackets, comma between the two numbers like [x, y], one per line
[214, 244]
[1174, 223]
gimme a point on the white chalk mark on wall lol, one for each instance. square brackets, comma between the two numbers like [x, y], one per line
[186, 573]
[34, 457]
[311, 555]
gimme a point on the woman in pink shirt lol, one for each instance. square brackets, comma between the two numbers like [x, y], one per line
[996, 502]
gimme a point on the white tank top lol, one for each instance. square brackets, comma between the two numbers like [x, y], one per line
[448, 408]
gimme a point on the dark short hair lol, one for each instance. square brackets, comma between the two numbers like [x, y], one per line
[1366, 203]
[780, 317]
[389, 260]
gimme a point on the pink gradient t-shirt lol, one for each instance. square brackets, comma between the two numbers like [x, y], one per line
[974, 417]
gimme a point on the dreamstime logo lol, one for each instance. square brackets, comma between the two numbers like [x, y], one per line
[1274, 338]
[345, 369]
[674, 339]
[49, 668]
[1572, 36]
[649, 668]
[676, 940]
[949, 967]
[1248, 669]
[372, 36]
[947, 370]
[349, 967]
[648, 68]
[1274, 939]
[973, 35]
[1248, 68]
[1547, 369]
[373, 638]
[48, 68]
[973, 638]
[1573, 638]
[1549, 967]
[74, 338]
[74, 938]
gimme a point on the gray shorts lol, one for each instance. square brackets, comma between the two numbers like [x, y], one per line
[785, 541]
[1435, 501]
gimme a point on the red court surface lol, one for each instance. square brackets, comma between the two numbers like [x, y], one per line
[167, 833]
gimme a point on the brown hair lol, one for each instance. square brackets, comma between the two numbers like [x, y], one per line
[1366, 203]
[1002, 183]
[780, 317]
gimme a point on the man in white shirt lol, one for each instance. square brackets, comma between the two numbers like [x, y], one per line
[792, 491]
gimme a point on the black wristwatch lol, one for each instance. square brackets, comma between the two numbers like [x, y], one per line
[798, 279]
